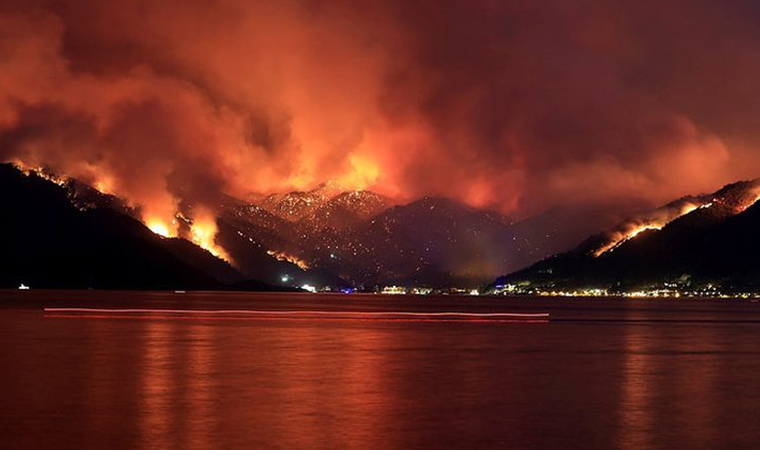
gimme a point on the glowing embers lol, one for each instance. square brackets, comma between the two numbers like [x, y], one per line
[282, 256]
[753, 195]
[245, 314]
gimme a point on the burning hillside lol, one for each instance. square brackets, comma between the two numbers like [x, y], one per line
[733, 198]
[201, 226]
[708, 243]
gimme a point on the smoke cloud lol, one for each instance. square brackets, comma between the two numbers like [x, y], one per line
[513, 105]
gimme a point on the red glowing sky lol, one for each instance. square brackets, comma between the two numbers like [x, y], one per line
[512, 105]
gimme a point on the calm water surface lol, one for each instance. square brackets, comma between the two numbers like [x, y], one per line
[600, 375]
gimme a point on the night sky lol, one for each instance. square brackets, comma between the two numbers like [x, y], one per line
[517, 106]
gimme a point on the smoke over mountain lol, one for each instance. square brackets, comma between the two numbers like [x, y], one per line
[512, 105]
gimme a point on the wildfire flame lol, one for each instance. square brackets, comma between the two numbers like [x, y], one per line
[626, 237]
[754, 197]
[160, 227]
[40, 172]
[364, 172]
[657, 222]
[105, 185]
[203, 232]
[282, 256]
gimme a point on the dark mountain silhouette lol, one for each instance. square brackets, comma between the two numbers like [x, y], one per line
[430, 242]
[49, 240]
[714, 242]
[334, 239]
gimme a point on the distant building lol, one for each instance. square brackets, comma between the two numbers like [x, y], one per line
[393, 290]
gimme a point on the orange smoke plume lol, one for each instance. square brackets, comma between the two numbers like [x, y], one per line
[162, 102]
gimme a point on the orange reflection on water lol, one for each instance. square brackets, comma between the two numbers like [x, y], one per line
[666, 366]
[636, 408]
[200, 384]
[98, 392]
[696, 391]
[178, 388]
[157, 389]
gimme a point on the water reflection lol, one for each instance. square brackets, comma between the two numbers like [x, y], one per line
[697, 385]
[200, 387]
[205, 384]
[636, 408]
[366, 394]
[157, 406]
[670, 385]
[178, 385]
[98, 393]
[299, 386]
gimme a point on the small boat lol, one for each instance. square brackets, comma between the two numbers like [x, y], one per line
[23, 287]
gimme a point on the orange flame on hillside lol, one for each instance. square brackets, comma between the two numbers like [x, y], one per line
[40, 172]
[657, 221]
[282, 256]
[626, 237]
[104, 184]
[754, 197]
[203, 227]
[203, 232]
[160, 228]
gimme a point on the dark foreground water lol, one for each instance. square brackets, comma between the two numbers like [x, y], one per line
[602, 374]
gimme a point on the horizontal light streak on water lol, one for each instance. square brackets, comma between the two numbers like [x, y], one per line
[237, 314]
[294, 319]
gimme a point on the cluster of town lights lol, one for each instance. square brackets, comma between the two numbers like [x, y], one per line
[669, 290]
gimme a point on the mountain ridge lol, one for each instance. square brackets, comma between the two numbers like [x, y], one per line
[708, 245]
[54, 239]
[356, 238]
